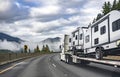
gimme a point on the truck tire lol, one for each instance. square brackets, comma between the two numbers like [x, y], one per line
[68, 59]
[99, 54]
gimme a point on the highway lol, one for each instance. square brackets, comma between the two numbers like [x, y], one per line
[50, 66]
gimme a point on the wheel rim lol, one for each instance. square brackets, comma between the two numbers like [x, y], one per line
[97, 54]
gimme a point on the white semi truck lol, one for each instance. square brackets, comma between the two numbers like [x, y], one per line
[100, 39]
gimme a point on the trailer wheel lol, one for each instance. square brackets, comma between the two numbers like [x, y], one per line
[99, 54]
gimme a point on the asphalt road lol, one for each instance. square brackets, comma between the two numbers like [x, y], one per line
[51, 66]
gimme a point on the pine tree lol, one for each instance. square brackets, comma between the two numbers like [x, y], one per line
[106, 8]
[118, 5]
[47, 48]
[109, 6]
[37, 50]
[114, 6]
[43, 48]
[99, 16]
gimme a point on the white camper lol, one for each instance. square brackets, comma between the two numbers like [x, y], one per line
[100, 39]
[76, 40]
[103, 36]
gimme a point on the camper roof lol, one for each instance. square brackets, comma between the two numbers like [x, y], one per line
[114, 11]
[78, 29]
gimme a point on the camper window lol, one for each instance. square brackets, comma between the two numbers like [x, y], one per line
[69, 39]
[81, 36]
[73, 42]
[96, 28]
[87, 39]
[116, 25]
[96, 41]
[76, 37]
[103, 30]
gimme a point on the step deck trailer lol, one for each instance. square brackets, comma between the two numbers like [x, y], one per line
[100, 39]
[76, 59]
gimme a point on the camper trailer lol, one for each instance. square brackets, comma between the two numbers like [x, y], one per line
[100, 39]
[103, 36]
[76, 40]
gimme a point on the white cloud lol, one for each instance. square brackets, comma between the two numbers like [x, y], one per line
[72, 10]
[42, 11]
[9, 45]
[6, 4]
[46, 19]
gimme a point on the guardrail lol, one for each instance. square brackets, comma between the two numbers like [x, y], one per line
[11, 57]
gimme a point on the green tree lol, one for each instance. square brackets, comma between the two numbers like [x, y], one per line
[37, 50]
[43, 48]
[118, 5]
[25, 48]
[47, 48]
[99, 16]
[114, 6]
[106, 8]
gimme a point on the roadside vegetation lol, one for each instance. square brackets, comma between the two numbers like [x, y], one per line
[7, 56]
[45, 49]
[106, 8]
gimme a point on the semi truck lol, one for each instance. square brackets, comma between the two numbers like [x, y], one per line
[92, 43]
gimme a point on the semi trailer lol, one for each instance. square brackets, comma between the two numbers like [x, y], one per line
[92, 43]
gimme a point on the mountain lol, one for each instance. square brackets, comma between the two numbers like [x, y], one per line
[7, 37]
[5, 51]
[53, 43]
[52, 40]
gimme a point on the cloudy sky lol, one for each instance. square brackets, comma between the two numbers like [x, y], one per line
[35, 20]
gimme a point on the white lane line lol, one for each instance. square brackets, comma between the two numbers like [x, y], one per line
[9, 68]
[54, 65]
[65, 75]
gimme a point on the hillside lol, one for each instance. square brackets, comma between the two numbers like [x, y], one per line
[53, 43]
[51, 40]
[7, 37]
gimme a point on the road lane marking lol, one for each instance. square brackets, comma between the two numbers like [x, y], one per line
[54, 65]
[7, 69]
[65, 75]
